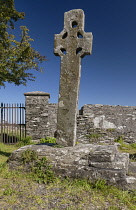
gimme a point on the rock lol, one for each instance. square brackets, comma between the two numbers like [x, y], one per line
[132, 168]
[82, 161]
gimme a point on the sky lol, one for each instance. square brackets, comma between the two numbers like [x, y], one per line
[108, 76]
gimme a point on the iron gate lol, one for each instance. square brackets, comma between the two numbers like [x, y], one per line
[12, 123]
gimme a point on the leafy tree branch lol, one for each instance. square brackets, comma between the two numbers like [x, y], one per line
[16, 57]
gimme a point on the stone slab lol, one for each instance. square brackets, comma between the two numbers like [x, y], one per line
[74, 162]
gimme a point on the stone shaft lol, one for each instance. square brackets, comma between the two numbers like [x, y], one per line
[71, 45]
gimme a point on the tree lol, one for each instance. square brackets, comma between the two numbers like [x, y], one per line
[16, 57]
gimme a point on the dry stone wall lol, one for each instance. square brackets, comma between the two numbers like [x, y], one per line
[95, 123]
[109, 122]
[37, 114]
[52, 119]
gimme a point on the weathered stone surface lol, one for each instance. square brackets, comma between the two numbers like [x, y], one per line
[132, 168]
[37, 114]
[71, 45]
[109, 121]
[52, 123]
[82, 161]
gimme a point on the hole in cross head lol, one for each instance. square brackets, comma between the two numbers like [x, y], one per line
[78, 50]
[64, 35]
[63, 51]
[79, 35]
[74, 24]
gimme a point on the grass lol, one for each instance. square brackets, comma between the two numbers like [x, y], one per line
[48, 140]
[5, 152]
[94, 136]
[21, 190]
[128, 148]
[110, 129]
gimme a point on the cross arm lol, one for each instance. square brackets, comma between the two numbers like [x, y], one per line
[59, 43]
[85, 44]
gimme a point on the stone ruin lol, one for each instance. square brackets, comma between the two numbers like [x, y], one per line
[90, 161]
[108, 121]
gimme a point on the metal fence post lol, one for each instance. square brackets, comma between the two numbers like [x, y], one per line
[1, 122]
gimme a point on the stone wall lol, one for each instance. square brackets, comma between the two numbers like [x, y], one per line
[95, 123]
[37, 114]
[109, 122]
[52, 118]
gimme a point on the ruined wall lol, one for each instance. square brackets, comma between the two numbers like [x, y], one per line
[52, 118]
[95, 123]
[100, 123]
[109, 122]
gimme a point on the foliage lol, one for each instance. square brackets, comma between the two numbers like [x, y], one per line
[28, 156]
[120, 139]
[132, 157]
[133, 145]
[8, 191]
[43, 171]
[99, 184]
[48, 140]
[94, 136]
[16, 57]
[25, 141]
[110, 129]
[129, 148]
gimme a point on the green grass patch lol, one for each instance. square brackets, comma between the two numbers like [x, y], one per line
[5, 152]
[25, 141]
[94, 136]
[48, 140]
[43, 171]
[110, 129]
[29, 156]
[128, 148]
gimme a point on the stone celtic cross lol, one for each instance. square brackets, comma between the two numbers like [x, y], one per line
[71, 45]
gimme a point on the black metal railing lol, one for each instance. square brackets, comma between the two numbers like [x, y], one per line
[12, 123]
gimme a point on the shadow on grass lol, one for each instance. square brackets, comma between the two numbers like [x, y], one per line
[7, 154]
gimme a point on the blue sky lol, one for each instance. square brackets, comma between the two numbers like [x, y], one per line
[108, 76]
